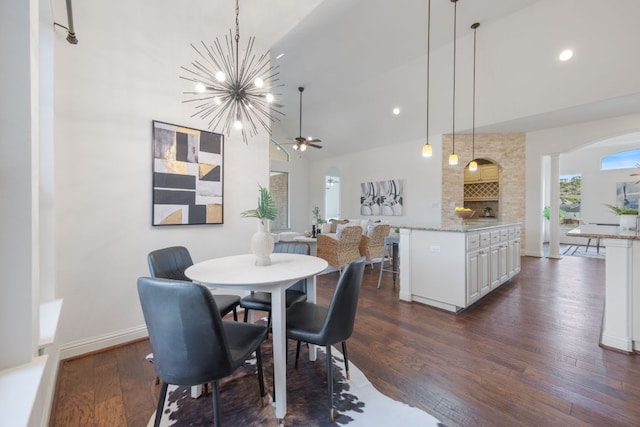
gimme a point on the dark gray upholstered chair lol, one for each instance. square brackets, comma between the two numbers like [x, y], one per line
[321, 325]
[171, 262]
[191, 343]
[294, 294]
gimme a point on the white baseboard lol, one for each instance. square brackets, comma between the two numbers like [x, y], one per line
[81, 347]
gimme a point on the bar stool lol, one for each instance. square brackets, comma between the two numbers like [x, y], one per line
[390, 249]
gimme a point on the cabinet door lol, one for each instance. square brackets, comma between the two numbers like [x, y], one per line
[494, 270]
[473, 277]
[510, 261]
[516, 257]
[502, 263]
[483, 272]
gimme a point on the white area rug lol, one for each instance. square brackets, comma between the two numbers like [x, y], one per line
[356, 401]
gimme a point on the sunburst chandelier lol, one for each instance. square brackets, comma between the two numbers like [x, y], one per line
[232, 92]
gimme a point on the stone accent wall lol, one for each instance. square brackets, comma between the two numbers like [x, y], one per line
[508, 151]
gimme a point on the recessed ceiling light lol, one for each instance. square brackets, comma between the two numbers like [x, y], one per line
[566, 55]
[396, 111]
[280, 56]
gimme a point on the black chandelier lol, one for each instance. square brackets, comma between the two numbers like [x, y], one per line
[233, 92]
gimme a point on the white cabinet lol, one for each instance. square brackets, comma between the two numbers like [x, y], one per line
[453, 269]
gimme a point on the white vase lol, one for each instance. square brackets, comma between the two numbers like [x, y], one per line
[628, 222]
[262, 244]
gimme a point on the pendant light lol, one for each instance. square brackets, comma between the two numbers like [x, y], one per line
[473, 165]
[427, 150]
[453, 157]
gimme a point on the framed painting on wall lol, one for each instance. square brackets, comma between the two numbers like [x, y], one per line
[381, 198]
[188, 166]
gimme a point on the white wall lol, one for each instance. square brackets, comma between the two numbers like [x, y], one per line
[109, 88]
[598, 186]
[422, 180]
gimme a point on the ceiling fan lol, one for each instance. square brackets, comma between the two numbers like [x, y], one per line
[301, 142]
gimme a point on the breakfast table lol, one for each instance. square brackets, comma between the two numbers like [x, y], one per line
[240, 272]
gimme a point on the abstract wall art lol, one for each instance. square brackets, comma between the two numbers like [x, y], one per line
[187, 175]
[383, 198]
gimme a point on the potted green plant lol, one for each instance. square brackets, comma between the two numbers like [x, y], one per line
[317, 217]
[262, 241]
[628, 217]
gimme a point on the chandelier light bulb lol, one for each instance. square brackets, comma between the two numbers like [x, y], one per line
[220, 76]
[237, 125]
[303, 147]
[200, 87]
[217, 100]
[566, 55]
[453, 159]
[269, 98]
[396, 111]
[427, 150]
[296, 146]
[258, 82]
[473, 166]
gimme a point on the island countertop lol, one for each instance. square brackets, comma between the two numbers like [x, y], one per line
[603, 232]
[459, 227]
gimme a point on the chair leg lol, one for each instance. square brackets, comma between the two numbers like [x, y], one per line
[381, 268]
[260, 377]
[246, 315]
[346, 359]
[330, 382]
[235, 314]
[297, 353]
[216, 404]
[163, 395]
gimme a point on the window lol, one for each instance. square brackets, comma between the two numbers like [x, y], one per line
[279, 189]
[622, 160]
[570, 198]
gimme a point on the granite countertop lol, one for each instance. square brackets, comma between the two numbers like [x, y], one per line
[458, 227]
[603, 232]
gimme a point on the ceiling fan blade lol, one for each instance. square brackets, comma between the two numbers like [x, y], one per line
[314, 145]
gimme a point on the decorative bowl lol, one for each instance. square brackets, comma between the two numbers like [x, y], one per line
[465, 214]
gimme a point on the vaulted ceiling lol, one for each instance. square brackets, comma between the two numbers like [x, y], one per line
[358, 59]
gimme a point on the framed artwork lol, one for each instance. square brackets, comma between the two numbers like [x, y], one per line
[187, 175]
[627, 194]
[381, 198]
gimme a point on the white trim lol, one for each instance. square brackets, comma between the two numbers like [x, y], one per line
[81, 347]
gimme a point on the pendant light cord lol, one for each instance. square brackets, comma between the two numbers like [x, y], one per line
[453, 134]
[428, 61]
[473, 119]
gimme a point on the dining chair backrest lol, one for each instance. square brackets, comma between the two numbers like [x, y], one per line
[186, 332]
[294, 248]
[342, 309]
[170, 263]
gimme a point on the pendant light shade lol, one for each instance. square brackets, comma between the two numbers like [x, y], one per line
[453, 157]
[473, 166]
[427, 150]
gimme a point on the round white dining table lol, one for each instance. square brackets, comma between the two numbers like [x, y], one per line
[240, 272]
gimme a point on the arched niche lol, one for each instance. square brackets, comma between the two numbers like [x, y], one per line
[482, 189]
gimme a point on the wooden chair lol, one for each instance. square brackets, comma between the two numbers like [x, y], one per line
[342, 249]
[372, 244]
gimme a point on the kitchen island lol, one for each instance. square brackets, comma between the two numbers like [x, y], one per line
[621, 317]
[453, 266]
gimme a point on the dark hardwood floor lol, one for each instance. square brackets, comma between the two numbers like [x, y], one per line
[525, 355]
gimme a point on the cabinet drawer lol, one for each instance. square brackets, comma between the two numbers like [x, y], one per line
[485, 239]
[473, 241]
[512, 233]
[495, 237]
[504, 235]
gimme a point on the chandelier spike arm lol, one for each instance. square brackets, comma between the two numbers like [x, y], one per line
[236, 101]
